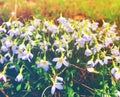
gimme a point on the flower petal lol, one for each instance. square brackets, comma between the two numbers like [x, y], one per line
[46, 67]
[53, 89]
[65, 63]
[58, 65]
[59, 86]
[59, 78]
[55, 59]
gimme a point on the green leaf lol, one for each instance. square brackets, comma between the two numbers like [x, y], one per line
[18, 87]
[5, 84]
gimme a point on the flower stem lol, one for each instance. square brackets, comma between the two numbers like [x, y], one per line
[44, 91]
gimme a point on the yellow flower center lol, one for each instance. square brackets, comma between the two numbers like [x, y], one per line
[60, 60]
[20, 51]
[44, 63]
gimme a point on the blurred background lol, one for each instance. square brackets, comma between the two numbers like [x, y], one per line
[98, 10]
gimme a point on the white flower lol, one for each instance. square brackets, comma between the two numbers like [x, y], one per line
[107, 58]
[80, 42]
[115, 51]
[98, 61]
[44, 45]
[60, 61]
[3, 77]
[19, 77]
[26, 55]
[116, 73]
[60, 49]
[4, 48]
[57, 83]
[44, 64]
[90, 69]
[94, 26]
[91, 63]
[37, 22]
[88, 52]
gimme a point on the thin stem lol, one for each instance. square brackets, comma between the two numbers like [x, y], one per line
[4, 93]
[85, 86]
[77, 67]
[62, 71]
[44, 91]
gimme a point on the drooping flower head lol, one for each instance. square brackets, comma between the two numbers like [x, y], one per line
[57, 83]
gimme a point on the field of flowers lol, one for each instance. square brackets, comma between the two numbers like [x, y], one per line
[59, 56]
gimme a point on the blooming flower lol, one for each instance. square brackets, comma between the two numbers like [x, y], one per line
[98, 60]
[88, 52]
[60, 61]
[116, 72]
[91, 69]
[27, 55]
[57, 83]
[2, 30]
[115, 51]
[94, 26]
[91, 63]
[3, 77]
[37, 22]
[4, 48]
[44, 45]
[44, 64]
[80, 42]
[19, 77]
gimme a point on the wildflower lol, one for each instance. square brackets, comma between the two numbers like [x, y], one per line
[3, 77]
[27, 55]
[88, 52]
[115, 51]
[80, 43]
[2, 59]
[19, 77]
[94, 26]
[53, 29]
[57, 43]
[60, 61]
[87, 38]
[30, 29]
[8, 43]
[57, 83]
[97, 47]
[60, 49]
[2, 74]
[44, 45]
[90, 62]
[44, 64]
[91, 69]
[46, 23]
[2, 30]
[4, 48]
[106, 58]
[62, 20]
[7, 24]
[37, 22]
[17, 24]
[116, 72]
[15, 32]
[98, 60]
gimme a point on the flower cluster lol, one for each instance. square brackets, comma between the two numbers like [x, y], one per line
[52, 47]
